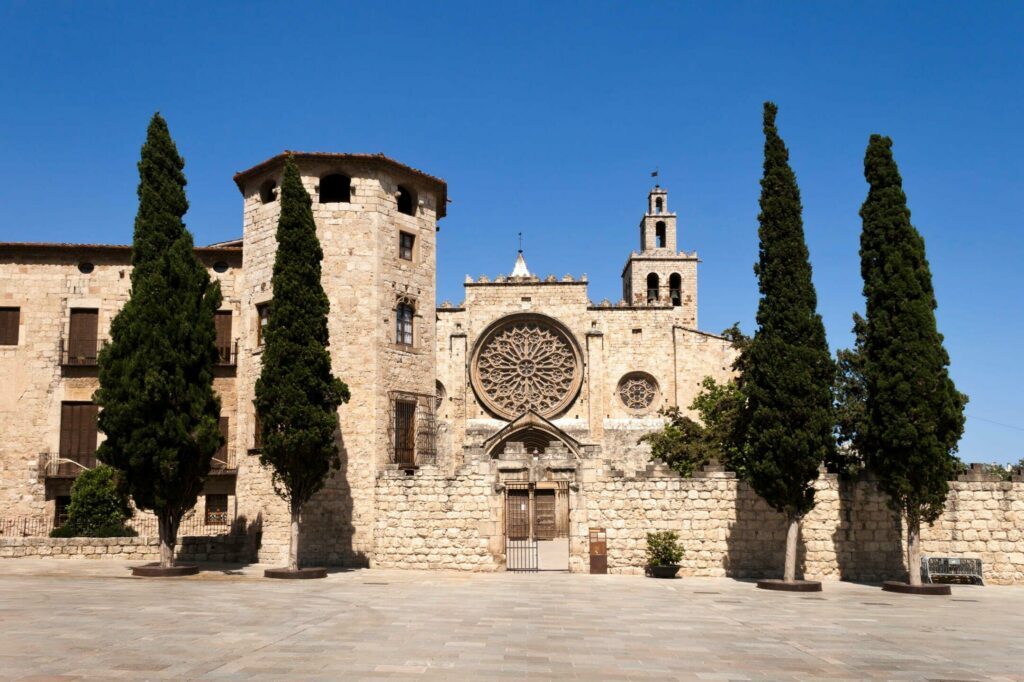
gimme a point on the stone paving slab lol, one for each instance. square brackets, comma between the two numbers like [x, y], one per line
[87, 619]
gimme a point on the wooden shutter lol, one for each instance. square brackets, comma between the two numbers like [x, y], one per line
[82, 337]
[10, 318]
[544, 514]
[223, 322]
[78, 434]
[405, 432]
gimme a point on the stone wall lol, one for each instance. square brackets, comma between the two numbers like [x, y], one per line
[226, 549]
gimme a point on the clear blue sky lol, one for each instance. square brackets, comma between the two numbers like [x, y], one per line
[548, 118]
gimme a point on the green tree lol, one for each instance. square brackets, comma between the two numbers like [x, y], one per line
[297, 396]
[787, 375]
[159, 410]
[915, 415]
[850, 396]
[99, 506]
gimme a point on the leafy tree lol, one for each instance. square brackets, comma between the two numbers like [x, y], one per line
[156, 376]
[788, 418]
[297, 396]
[682, 443]
[915, 415]
[850, 396]
[99, 506]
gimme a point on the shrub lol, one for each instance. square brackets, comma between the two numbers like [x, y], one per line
[99, 506]
[663, 548]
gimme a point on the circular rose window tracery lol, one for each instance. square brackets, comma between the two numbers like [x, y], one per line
[638, 391]
[526, 362]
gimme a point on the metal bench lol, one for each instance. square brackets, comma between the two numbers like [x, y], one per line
[937, 569]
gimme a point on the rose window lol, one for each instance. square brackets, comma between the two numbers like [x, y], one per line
[526, 363]
[638, 391]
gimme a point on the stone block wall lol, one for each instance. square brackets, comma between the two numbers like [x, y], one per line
[223, 549]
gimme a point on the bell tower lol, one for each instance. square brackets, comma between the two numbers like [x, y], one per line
[659, 274]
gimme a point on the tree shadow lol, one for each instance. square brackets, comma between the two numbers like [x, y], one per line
[756, 541]
[869, 537]
[327, 528]
[240, 544]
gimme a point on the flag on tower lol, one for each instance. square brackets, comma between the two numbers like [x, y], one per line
[654, 173]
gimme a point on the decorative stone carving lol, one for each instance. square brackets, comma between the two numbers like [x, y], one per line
[638, 391]
[525, 362]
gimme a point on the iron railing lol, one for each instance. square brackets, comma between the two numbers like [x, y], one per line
[224, 463]
[423, 448]
[227, 356]
[81, 354]
[56, 465]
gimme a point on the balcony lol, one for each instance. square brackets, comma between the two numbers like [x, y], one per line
[79, 353]
[227, 355]
[224, 464]
[54, 465]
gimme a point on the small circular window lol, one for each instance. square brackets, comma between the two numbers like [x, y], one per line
[85, 268]
[220, 266]
[638, 391]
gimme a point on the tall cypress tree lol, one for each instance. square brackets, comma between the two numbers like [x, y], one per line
[160, 412]
[297, 396]
[787, 368]
[915, 415]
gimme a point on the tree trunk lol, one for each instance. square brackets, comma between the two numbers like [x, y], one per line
[914, 551]
[168, 529]
[293, 548]
[792, 535]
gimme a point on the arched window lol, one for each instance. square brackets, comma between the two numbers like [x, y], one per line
[403, 324]
[675, 289]
[659, 204]
[335, 189]
[406, 200]
[659, 234]
[652, 288]
[268, 191]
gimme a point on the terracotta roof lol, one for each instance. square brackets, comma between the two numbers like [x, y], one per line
[437, 183]
[114, 248]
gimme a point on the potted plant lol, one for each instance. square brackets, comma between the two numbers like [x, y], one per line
[663, 554]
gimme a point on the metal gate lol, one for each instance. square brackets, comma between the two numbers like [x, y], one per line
[520, 546]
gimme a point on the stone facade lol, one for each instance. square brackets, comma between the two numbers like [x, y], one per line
[488, 435]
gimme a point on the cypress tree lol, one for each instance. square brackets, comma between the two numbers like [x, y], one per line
[915, 415]
[787, 368]
[156, 376]
[297, 396]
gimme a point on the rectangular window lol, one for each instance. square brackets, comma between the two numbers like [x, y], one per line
[403, 324]
[62, 504]
[222, 320]
[216, 510]
[78, 434]
[83, 336]
[262, 318]
[10, 318]
[257, 431]
[220, 458]
[405, 244]
[405, 432]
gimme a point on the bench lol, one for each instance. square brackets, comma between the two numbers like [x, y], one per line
[936, 569]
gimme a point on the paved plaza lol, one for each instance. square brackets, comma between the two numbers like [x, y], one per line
[89, 619]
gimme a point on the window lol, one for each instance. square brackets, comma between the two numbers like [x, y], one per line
[405, 432]
[659, 205]
[403, 324]
[220, 458]
[220, 267]
[10, 318]
[659, 234]
[652, 288]
[222, 320]
[406, 200]
[61, 508]
[86, 268]
[257, 431]
[216, 510]
[675, 289]
[262, 320]
[335, 189]
[77, 437]
[82, 337]
[405, 244]
[268, 192]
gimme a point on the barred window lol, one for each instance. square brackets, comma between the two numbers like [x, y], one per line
[403, 324]
[216, 510]
[405, 432]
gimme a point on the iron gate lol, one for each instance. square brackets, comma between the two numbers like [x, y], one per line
[520, 545]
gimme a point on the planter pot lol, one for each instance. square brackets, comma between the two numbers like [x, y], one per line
[663, 571]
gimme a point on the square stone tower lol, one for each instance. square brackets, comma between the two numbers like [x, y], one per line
[659, 274]
[377, 222]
